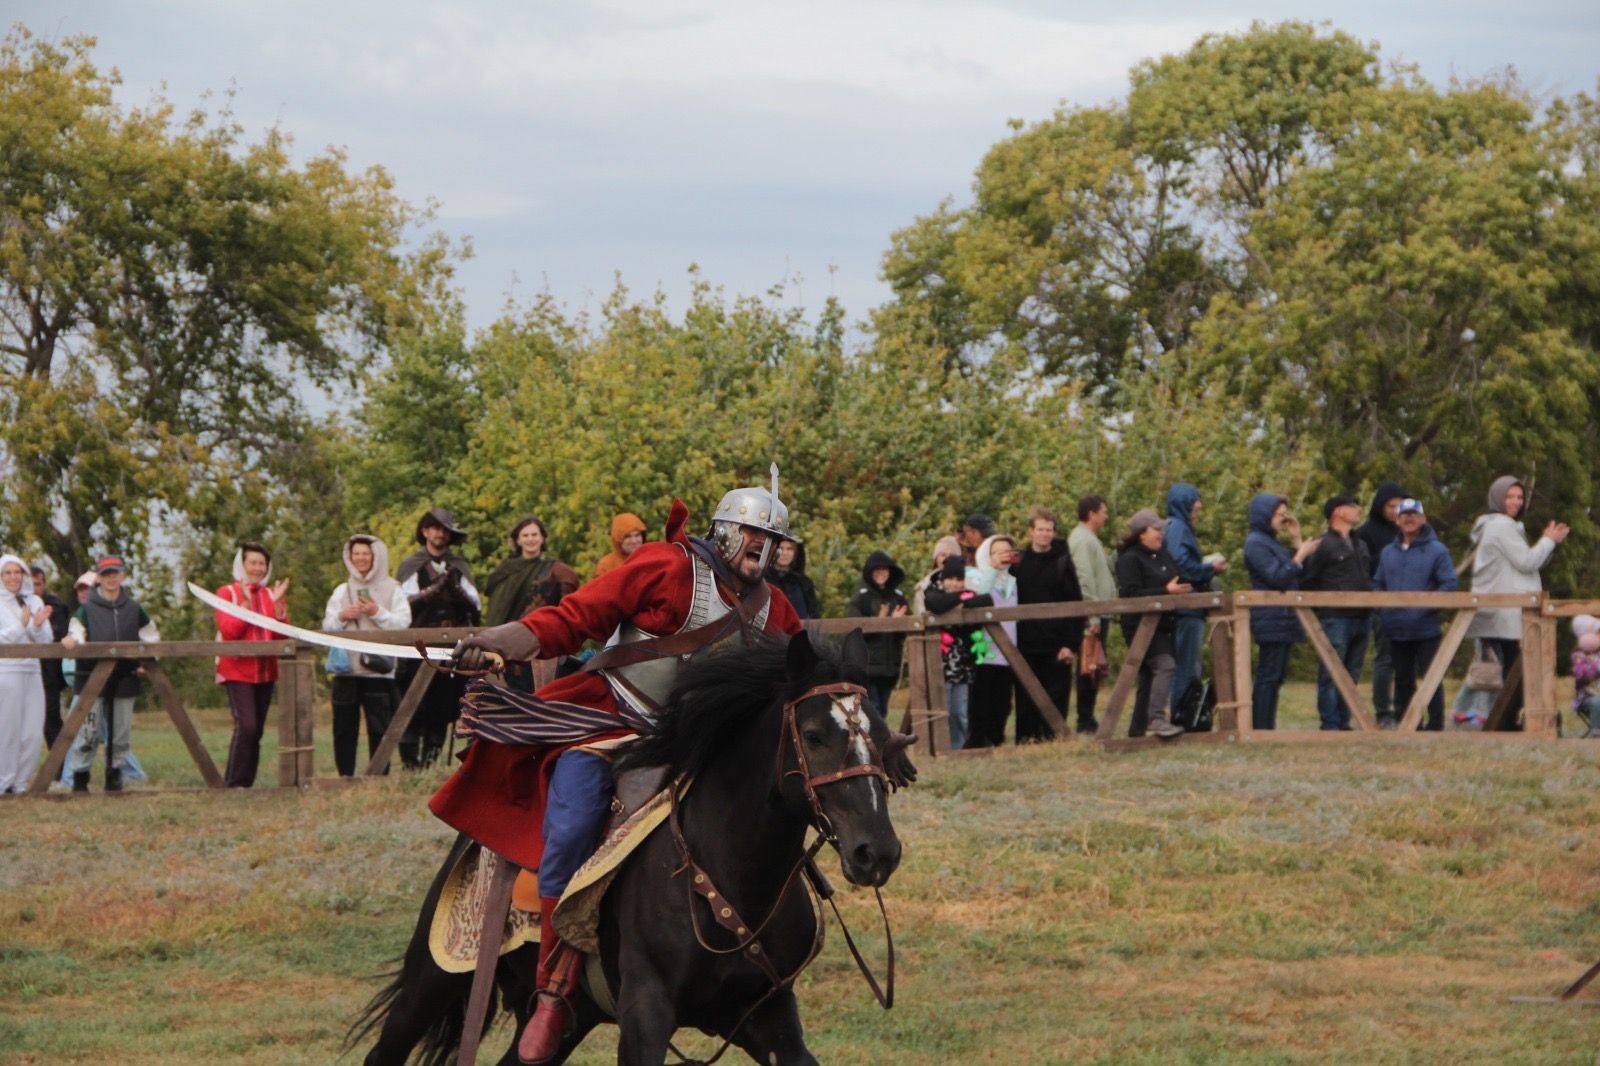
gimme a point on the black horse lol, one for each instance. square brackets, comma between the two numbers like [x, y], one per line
[745, 820]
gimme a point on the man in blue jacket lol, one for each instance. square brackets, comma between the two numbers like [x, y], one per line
[1273, 568]
[1183, 505]
[1415, 562]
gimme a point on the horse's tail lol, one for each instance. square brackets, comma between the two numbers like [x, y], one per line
[436, 1019]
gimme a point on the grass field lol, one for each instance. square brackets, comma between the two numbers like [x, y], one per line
[1374, 901]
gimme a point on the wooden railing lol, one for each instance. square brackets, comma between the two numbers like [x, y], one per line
[1227, 614]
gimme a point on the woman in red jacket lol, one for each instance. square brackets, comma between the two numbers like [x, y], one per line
[249, 679]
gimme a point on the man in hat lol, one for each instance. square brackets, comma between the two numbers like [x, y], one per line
[535, 784]
[1340, 563]
[438, 584]
[107, 614]
[1416, 561]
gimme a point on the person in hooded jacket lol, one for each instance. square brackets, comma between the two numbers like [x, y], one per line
[369, 600]
[788, 574]
[627, 533]
[249, 679]
[1045, 574]
[989, 702]
[1197, 571]
[943, 548]
[879, 597]
[1272, 568]
[24, 619]
[1377, 533]
[1146, 568]
[1415, 562]
[956, 651]
[1503, 561]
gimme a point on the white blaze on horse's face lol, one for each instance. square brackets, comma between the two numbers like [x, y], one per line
[847, 714]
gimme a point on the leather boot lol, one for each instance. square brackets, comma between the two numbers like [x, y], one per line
[80, 781]
[553, 1012]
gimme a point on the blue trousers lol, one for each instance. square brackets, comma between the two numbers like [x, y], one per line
[1272, 664]
[1349, 639]
[574, 816]
[1187, 643]
[955, 702]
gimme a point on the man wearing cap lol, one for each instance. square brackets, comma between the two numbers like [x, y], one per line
[1415, 562]
[108, 614]
[438, 584]
[1340, 563]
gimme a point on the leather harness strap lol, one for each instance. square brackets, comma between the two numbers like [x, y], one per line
[687, 642]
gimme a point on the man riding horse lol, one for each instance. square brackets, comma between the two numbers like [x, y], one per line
[535, 785]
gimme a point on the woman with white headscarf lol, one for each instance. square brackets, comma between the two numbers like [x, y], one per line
[990, 701]
[24, 619]
[363, 685]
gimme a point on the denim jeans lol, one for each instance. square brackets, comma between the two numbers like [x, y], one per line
[1272, 664]
[1187, 644]
[81, 756]
[1349, 639]
[955, 702]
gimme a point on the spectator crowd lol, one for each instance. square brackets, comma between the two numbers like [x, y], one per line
[1392, 548]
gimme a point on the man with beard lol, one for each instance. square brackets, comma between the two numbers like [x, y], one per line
[438, 584]
[535, 783]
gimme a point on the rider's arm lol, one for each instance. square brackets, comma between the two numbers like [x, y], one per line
[652, 591]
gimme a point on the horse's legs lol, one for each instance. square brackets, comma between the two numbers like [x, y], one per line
[773, 1034]
[427, 992]
[646, 1019]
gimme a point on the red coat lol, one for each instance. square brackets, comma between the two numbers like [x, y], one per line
[254, 669]
[497, 794]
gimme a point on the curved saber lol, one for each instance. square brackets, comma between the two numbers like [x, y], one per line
[316, 636]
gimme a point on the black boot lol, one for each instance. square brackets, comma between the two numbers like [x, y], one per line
[80, 781]
[113, 780]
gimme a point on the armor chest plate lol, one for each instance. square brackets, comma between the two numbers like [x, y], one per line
[644, 686]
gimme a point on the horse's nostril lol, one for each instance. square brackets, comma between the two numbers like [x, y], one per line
[862, 855]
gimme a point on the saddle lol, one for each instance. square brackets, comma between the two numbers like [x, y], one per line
[640, 805]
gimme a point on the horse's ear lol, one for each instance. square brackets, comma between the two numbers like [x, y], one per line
[855, 653]
[802, 657]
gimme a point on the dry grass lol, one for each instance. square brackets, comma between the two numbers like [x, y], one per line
[1372, 902]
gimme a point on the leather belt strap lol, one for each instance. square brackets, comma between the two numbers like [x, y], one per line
[685, 643]
[495, 909]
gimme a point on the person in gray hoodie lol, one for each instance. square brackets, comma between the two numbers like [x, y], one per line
[1503, 561]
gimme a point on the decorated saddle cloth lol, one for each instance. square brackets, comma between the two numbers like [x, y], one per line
[641, 806]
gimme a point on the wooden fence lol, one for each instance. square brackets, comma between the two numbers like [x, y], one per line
[1227, 619]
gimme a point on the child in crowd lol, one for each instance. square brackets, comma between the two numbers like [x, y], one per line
[960, 658]
[1586, 672]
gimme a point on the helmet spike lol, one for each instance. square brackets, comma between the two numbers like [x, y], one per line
[774, 482]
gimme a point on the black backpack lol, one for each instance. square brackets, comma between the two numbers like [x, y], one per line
[1197, 708]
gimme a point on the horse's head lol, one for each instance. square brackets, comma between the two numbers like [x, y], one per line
[832, 759]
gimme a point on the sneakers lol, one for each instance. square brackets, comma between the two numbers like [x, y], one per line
[1165, 729]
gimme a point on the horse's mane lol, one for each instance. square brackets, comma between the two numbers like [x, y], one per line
[721, 696]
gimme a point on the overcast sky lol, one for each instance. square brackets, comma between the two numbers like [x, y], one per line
[574, 140]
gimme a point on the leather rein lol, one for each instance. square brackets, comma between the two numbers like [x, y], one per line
[747, 940]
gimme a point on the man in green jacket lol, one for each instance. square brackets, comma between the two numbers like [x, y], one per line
[1097, 583]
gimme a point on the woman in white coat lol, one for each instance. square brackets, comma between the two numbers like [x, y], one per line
[1504, 561]
[24, 619]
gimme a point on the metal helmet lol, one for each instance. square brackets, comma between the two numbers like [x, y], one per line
[755, 507]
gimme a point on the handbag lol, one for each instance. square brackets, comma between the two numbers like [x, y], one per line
[338, 661]
[1485, 675]
[1092, 658]
[377, 664]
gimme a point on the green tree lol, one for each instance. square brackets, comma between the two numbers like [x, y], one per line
[166, 291]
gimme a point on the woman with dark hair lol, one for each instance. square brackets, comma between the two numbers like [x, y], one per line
[1144, 568]
[529, 579]
[249, 679]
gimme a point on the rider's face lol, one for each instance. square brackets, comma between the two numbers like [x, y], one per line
[748, 563]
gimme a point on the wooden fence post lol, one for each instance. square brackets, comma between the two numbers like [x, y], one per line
[288, 727]
[1244, 725]
[1222, 672]
[304, 666]
[1539, 711]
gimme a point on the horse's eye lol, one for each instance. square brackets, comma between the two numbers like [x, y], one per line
[813, 738]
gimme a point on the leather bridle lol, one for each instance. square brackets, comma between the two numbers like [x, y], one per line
[748, 940]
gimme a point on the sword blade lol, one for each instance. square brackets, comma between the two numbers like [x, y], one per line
[314, 636]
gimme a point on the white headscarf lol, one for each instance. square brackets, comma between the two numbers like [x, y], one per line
[8, 597]
[984, 577]
[238, 567]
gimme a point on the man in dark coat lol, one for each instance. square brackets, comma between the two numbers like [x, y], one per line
[1377, 533]
[788, 574]
[1340, 564]
[438, 584]
[1045, 574]
[880, 597]
[55, 680]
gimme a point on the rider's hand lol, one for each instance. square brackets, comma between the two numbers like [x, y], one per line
[512, 642]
